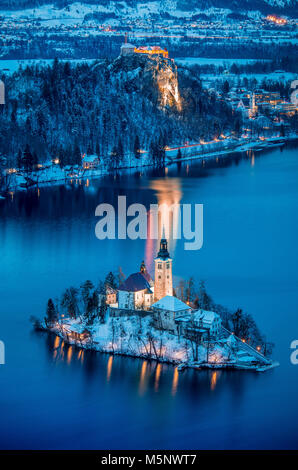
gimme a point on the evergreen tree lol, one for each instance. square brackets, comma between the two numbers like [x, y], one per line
[20, 159]
[102, 308]
[110, 280]
[77, 157]
[136, 147]
[204, 300]
[69, 302]
[86, 289]
[236, 320]
[51, 314]
[27, 159]
[34, 160]
[120, 150]
[97, 149]
[226, 87]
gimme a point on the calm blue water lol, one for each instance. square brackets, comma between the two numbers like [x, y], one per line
[54, 397]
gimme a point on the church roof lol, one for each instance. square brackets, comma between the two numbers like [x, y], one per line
[205, 315]
[143, 270]
[148, 278]
[171, 303]
[135, 282]
[163, 250]
[127, 46]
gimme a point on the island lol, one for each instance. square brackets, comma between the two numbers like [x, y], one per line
[142, 317]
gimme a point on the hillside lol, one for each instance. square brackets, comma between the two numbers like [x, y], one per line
[108, 108]
[159, 8]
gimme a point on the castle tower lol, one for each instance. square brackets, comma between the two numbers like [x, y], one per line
[163, 282]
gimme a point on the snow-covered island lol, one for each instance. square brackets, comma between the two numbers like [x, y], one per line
[143, 318]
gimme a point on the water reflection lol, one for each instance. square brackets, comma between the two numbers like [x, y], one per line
[214, 378]
[66, 201]
[157, 376]
[69, 354]
[52, 238]
[109, 368]
[175, 381]
[168, 194]
[142, 385]
[144, 377]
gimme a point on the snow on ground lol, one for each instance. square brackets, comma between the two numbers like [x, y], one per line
[135, 336]
[76, 12]
[189, 61]
[12, 65]
[51, 174]
[209, 80]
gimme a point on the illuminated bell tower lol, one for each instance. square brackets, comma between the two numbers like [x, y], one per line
[163, 282]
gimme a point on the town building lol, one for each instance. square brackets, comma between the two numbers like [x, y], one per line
[136, 292]
[76, 331]
[152, 51]
[90, 162]
[206, 323]
[166, 310]
[127, 49]
[111, 295]
[139, 294]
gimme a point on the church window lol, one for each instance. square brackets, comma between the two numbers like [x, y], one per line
[159, 266]
[168, 265]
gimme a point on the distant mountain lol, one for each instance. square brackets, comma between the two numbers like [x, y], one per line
[167, 7]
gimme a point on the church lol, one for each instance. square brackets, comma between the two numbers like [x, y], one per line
[139, 291]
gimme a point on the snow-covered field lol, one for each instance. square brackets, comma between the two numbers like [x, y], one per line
[209, 80]
[76, 11]
[189, 61]
[136, 336]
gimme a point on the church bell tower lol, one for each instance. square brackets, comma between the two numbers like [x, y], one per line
[163, 282]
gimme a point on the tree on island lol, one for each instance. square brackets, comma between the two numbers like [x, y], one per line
[190, 291]
[236, 321]
[86, 289]
[70, 303]
[91, 311]
[204, 300]
[51, 313]
[102, 309]
[110, 281]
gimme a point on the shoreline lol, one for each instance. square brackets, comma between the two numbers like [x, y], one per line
[241, 146]
[181, 365]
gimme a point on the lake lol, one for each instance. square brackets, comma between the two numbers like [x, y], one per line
[57, 397]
